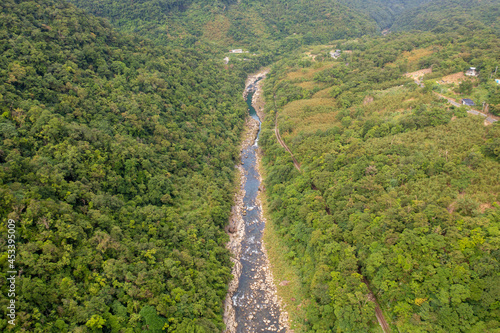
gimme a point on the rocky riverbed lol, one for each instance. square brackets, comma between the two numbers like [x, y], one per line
[252, 304]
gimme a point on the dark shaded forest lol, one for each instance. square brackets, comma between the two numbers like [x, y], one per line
[449, 15]
[117, 161]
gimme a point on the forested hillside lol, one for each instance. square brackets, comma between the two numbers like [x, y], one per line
[117, 155]
[384, 12]
[277, 26]
[264, 26]
[450, 15]
[116, 162]
[398, 188]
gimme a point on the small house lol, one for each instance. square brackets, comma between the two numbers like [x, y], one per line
[335, 54]
[468, 102]
[472, 72]
[236, 51]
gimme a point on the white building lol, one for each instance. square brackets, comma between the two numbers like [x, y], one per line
[335, 54]
[472, 72]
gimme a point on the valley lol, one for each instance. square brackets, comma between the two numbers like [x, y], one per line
[252, 303]
[335, 131]
[354, 187]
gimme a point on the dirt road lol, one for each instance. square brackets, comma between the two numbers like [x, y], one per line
[280, 140]
[283, 144]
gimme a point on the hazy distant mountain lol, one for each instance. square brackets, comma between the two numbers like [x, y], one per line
[384, 12]
[450, 14]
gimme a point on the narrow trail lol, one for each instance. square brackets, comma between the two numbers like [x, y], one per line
[489, 118]
[381, 318]
[378, 311]
[280, 140]
[283, 144]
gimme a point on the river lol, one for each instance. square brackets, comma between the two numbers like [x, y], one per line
[252, 304]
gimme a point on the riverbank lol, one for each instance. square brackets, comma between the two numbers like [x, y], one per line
[258, 101]
[285, 277]
[236, 227]
[277, 271]
[252, 304]
[291, 296]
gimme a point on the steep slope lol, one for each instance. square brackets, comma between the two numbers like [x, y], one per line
[398, 188]
[117, 156]
[384, 12]
[116, 162]
[259, 25]
[450, 15]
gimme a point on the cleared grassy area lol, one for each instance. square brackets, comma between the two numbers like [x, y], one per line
[325, 93]
[217, 30]
[297, 108]
[307, 115]
[310, 85]
[312, 124]
[320, 114]
[415, 55]
[308, 73]
[455, 78]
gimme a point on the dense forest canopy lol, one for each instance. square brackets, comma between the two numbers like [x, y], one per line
[117, 160]
[449, 15]
[117, 156]
[259, 25]
[384, 12]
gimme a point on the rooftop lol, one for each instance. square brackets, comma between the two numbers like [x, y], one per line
[468, 101]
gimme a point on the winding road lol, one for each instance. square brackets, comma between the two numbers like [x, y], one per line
[489, 119]
[280, 140]
[283, 144]
[378, 311]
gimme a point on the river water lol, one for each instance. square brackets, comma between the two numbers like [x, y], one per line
[254, 301]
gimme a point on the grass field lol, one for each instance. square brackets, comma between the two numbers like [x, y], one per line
[415, 55]
[307, 74]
